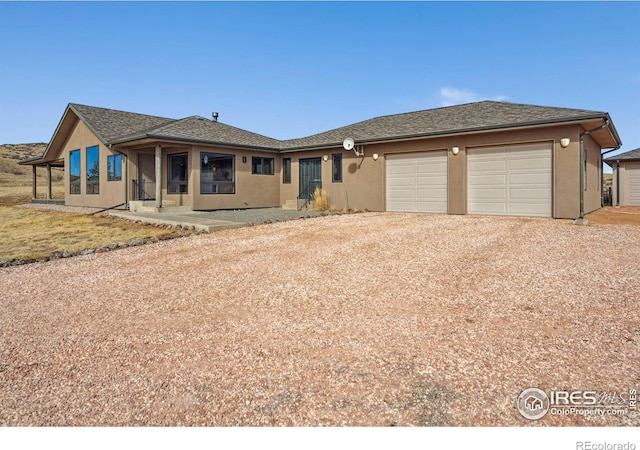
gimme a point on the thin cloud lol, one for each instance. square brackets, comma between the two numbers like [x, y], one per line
[450, 96]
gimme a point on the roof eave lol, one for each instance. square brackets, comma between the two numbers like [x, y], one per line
[191, 141]
[88, 124]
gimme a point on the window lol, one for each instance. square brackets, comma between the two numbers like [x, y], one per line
[217, 173]
[93, 170]
[114, 168]
[262, 166]
[74, 172]
[178, 182]
[336, 170]
[286, 170]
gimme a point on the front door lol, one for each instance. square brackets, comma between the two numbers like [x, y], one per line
[310, 177]
[146, 183]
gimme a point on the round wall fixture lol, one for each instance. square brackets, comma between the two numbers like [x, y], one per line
[564, 142]
[455, 150]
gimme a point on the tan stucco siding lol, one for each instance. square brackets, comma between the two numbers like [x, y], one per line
[111, 192]
[362, 185]
[251, 190]
[592, 195]
[364, 179]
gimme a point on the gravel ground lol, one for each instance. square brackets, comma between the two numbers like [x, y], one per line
[365, 319]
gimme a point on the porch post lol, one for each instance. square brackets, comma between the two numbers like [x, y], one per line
[158, 176]
[49, 181]
[34, 187]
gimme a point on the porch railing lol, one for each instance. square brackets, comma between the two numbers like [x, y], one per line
[144, 190]
[306, 193]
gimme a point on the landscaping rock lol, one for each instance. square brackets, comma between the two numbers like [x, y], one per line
[88, 251]
[136, 242]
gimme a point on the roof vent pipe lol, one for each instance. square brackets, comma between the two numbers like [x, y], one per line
[215, 116]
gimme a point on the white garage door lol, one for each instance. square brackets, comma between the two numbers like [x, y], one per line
[417, 182]
[510, 180]
[633, 183]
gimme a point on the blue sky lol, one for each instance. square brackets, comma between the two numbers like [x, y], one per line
[293, 69]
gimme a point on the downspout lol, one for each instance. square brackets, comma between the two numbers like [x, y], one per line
[617, 184]
[126, 174]
[582, 168]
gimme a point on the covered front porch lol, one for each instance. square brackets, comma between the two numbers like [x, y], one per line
[48, 166]
[158, 176]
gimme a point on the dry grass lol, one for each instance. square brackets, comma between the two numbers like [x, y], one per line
[33, 234]
[321, 199]
[12, 194]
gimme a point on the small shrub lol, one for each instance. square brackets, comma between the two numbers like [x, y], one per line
[321, 199]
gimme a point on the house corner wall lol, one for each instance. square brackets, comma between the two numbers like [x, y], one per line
[593, 182]
[566, 174]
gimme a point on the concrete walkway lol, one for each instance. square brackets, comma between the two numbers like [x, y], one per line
[199, 223]
[210, 221]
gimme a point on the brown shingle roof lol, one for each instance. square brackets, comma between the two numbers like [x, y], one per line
[630, 155]
[199, 129]
[440, 121]
[109, 124]
[118, 126]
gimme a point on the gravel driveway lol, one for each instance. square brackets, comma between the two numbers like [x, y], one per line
[366, 319]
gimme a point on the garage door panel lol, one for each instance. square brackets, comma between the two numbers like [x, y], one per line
[400, 182]
[425, 167]
[402, 194]
[536, 179]
[528, 209]
[401, 170]
[489, 179]
[633, 183]
[417, 182]
[435, 181]
[530, 164]
[510, 180]
[487, 208]
[488, 194]
[481, 166]
[529, 194]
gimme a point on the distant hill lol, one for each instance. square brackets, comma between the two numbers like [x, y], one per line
[16, 180]
[13, 174]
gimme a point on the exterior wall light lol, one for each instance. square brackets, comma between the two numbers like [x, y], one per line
[375, 156]
[244, 159]
[325, 158]
[455, 150]
[564, 142]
